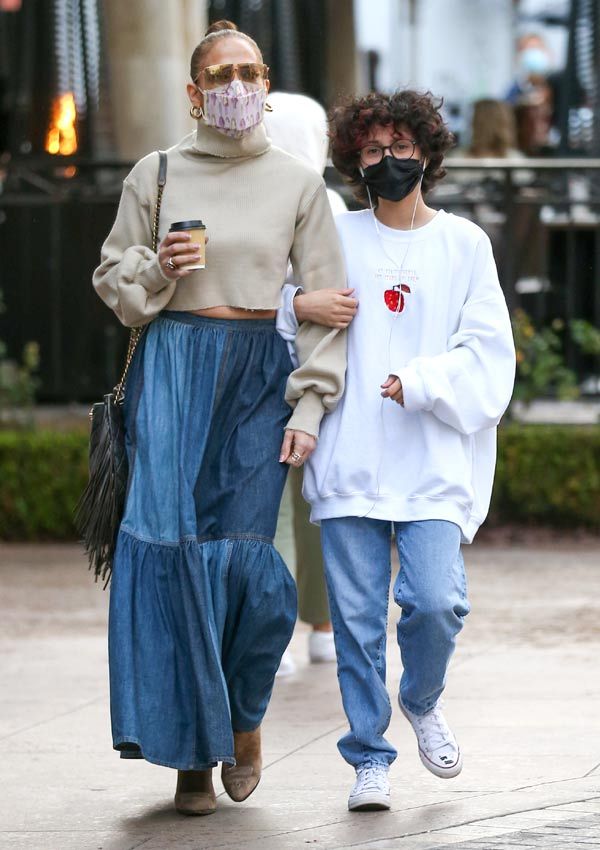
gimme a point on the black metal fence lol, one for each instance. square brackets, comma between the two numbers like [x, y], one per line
[543, 217]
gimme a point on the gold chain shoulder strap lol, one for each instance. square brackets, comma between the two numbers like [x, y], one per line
[136, 333]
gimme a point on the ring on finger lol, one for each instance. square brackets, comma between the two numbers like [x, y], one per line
[297, 457]
[170, 264]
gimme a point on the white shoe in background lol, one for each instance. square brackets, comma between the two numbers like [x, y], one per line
[287, 666]
[321, 647]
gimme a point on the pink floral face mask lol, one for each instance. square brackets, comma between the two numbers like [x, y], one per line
[235, 109]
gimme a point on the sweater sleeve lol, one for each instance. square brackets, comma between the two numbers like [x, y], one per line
[129, 278]
[470, 385]
[317, 385]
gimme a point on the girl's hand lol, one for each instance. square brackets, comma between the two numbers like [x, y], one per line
[392, 388]
[177, 249]
[297, 447]
[333, 308]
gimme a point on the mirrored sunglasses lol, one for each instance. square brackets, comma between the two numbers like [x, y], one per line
[248, 72]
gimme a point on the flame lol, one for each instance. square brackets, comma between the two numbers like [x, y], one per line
[62, 137]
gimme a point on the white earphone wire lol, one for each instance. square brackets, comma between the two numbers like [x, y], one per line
[399, 269]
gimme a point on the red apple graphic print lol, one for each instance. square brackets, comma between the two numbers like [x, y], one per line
[394, 297]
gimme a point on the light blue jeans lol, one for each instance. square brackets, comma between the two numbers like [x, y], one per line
[430, 589]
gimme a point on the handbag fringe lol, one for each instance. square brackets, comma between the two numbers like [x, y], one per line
[100, 508]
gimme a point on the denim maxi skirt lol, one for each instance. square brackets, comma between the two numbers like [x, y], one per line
[202, 606]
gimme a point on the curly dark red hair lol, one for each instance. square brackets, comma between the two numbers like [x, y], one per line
[352, 119]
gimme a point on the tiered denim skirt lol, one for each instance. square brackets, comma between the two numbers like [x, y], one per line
[202, 606]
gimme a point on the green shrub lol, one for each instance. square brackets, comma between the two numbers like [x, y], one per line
[42, 474]
[546, 475]
[586, 336]
[541, 368]
[17, 381]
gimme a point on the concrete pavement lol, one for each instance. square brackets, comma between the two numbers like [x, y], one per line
[523, 698]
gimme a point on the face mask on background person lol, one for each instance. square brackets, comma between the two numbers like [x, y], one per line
[534, 60]
[235, 109]
[393, 179]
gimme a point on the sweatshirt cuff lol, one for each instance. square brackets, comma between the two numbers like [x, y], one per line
[286, 321]
[307, 414]
[293, 294]
[413, 389]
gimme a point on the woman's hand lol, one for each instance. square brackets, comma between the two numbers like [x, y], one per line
[392, 388]
[177, 249]
[333, 308]
[297, 447]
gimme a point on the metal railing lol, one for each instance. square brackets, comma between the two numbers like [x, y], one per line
[542, 216]
[559, 195]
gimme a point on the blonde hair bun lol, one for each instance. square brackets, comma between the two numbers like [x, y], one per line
[219, 26]
[215, 32]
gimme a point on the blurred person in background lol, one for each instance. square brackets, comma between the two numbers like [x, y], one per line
[411, 446]
[493, 134]
[493, 130]
[202, 606]
[298, 125]
[535, 95]
[538, 95]
[533, 64]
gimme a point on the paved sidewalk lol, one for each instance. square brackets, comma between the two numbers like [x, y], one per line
[523, 698]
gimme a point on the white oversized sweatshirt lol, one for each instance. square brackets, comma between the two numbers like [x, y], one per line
[432, 312]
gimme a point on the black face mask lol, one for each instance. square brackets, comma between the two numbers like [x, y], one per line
[393, 179]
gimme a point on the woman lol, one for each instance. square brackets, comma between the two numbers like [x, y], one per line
[494, 134]
[493, 130]
[202, 606]
[430, 372]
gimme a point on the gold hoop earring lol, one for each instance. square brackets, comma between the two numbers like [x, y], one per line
[268, 107]
[196, 112]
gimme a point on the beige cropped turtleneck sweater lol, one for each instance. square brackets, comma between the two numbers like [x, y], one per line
[261, 208]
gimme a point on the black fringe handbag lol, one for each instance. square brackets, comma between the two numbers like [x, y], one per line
[100, 509]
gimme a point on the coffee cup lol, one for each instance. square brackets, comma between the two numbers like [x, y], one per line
[197, 231]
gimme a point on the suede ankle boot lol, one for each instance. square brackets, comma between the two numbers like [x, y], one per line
[240, 779]
[195, 794]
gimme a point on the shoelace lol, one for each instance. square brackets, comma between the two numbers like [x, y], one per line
[434, 729]
[371, 779]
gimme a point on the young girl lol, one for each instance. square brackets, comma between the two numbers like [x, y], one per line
[412, 445]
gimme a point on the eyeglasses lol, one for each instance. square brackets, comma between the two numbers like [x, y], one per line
[372, 154]
[248, 72]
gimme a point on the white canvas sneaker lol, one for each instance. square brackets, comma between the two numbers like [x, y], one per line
[321, 647]
[371, 791]
[438, 748]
